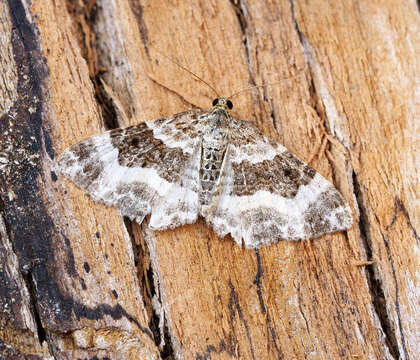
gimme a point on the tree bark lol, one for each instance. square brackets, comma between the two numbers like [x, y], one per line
[78, 281]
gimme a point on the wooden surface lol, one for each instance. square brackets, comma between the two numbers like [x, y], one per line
[78, 281]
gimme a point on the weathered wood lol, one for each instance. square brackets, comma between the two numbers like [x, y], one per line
[345, 73]
[18, 328]
[82, 273]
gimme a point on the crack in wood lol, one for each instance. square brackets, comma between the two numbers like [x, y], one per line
[379, 301]
[30, 285]
[147, 283]
[238, 7]
[85, 17]
[295, 24]
[397, 296]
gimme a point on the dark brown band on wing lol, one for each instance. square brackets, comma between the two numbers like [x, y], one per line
[137, 147]
[283, 175]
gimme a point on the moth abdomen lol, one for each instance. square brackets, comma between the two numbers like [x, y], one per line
[211, 163]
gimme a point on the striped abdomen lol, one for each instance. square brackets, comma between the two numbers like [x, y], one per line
[211, 163]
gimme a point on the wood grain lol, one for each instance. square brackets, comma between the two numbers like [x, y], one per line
[343, 98]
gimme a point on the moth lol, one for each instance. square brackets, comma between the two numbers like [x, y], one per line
[206, 163]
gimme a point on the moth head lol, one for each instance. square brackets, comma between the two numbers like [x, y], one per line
[222, 104]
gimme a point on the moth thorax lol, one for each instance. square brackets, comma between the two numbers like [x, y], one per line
[217, 130]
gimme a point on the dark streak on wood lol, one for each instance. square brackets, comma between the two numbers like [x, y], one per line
[400, 208]
[11, 301]
[29, 226]
[32, 230]
[70, 263]
[212, 349]
[235, 307]
[138, 13]
[257, 283]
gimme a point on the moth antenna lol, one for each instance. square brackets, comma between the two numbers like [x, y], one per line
[189, 71]
[259, 86]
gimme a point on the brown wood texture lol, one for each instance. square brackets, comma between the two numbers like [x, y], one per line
[77, 280]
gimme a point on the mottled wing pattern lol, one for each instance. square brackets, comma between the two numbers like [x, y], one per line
[267, 194]
[149, 168]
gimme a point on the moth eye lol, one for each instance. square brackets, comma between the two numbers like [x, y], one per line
[215, 101]
[229, 104]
